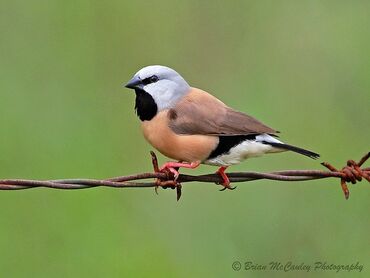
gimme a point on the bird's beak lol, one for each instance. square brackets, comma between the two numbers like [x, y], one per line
[134, 83]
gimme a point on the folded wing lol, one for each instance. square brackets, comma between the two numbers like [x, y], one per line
[201, 113]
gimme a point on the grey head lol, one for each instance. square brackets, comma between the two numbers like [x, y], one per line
[163, 84]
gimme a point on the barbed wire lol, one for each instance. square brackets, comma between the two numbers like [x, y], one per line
[352, 172]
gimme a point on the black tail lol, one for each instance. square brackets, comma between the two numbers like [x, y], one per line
[293, 148]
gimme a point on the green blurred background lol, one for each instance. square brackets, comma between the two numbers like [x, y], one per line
[302, 67]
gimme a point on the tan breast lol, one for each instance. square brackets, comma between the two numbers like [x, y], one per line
[188, 148]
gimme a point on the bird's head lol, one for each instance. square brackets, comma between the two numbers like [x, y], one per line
[164, 85]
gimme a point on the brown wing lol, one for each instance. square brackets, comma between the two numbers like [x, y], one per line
[201, 113]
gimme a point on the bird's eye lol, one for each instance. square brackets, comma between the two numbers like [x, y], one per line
[153, 79]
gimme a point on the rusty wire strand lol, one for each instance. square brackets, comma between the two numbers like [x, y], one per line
[352, 172]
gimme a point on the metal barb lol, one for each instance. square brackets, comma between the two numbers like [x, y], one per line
[352, 172]
[168, 182]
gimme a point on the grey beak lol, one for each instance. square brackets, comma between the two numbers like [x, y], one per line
[134, 83]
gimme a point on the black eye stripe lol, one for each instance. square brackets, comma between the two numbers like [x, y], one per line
[151, 79]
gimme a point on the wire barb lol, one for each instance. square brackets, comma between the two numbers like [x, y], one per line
[352, 172]
[168, 182]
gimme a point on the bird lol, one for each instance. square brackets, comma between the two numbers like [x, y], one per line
[193, 127]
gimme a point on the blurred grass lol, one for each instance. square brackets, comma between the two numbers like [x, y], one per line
[300, 66]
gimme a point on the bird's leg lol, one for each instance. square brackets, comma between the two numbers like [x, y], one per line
[171, 166]
[226, 181]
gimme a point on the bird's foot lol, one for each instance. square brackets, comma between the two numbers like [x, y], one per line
[173, 167]
[171, 172]
[169, 182]
[225, 178]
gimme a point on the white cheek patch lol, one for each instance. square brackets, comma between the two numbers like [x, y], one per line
[165, 93]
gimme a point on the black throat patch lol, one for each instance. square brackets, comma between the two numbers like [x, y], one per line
[145, 106]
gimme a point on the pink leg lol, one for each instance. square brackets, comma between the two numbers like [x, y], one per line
[172, 165]
[226, 181]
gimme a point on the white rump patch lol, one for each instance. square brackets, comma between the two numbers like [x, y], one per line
[245, 150]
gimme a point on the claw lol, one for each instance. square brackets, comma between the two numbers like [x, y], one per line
[227, 187]
[226, 181]
[171, 167]
[174, 166]
[175, 173]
